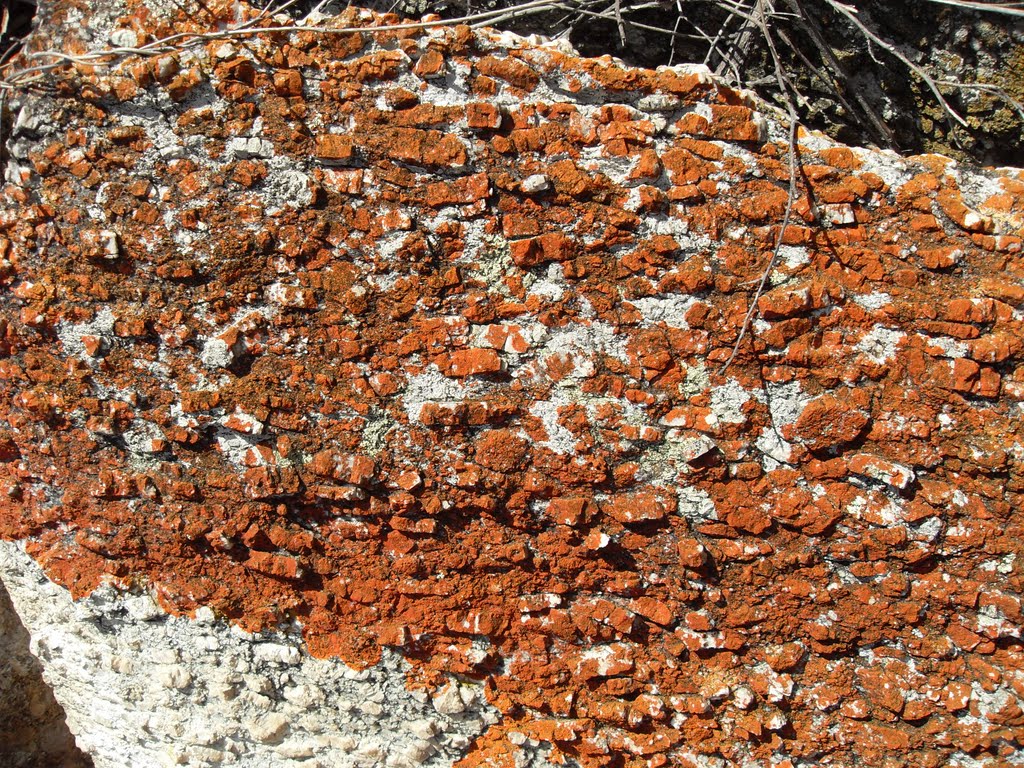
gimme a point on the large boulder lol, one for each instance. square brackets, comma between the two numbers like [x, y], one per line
[422, 356]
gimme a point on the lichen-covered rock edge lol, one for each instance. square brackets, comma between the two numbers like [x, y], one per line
[415, 337]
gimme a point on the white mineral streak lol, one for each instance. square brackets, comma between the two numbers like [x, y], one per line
[880, 344]
[694, 503]
[71, 335]
[144, 689]
[432, 386]
[727, 401]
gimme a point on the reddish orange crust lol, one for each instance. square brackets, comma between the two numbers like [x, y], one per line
[434, 405]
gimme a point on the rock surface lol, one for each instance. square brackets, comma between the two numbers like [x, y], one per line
[32, 723]
[415, 339]
[142, 688]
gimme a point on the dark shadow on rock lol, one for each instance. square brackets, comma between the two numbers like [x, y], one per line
[33, 731]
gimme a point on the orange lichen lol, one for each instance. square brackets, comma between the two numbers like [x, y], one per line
[446, 378]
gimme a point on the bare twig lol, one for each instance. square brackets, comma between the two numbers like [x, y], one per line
[739, 44]
[675, 31]
[850, 13]
[610, 17]
[183, 40]
[725, 57]
[787, 90]
[509, 14]
[880, 129]
[995, 90]
[270, 10]
[619, 23]
[1010, 9]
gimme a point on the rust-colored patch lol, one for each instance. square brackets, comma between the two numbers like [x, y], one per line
[447, 378]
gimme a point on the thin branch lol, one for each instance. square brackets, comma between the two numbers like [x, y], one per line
[995, 90]
[881, 130]
[787, 90]
[851, 13]
[508, 14]
[701, 34]
[1010, 9]
[181, 40]
[725, 56]
[609, 17]
[620, 24]
[271, 11]
[675, 31]
[739, 43]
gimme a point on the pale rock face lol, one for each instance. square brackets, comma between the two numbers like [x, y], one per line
[33, 732]
[142, 688]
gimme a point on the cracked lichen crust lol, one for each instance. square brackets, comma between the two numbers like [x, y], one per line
[141, 687]
[415, 338]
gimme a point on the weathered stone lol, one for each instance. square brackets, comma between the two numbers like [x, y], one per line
[370, 334]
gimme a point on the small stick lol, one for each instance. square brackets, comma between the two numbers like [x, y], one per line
[882, 131]
[1010, 9]
[182, 40]
[620, 24]
[785, 87]
[851, 13]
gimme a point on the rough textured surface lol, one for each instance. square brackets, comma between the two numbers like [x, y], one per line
[142, 688]
[952, 43]
[33, 732]
[415, 338]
